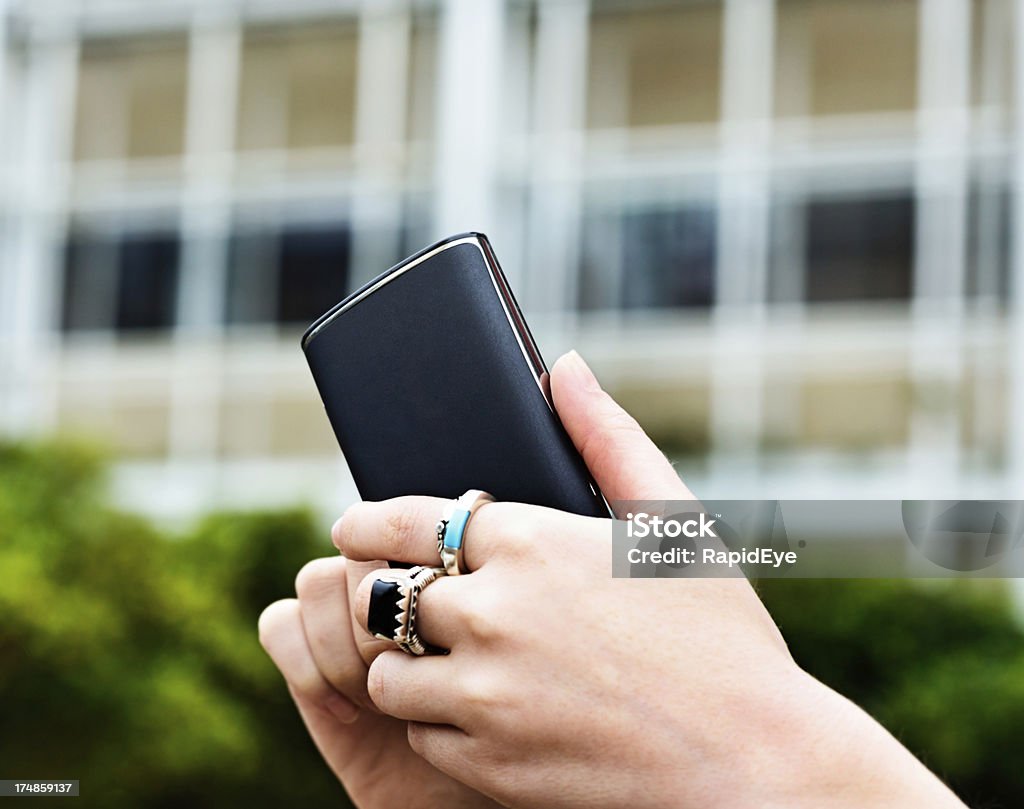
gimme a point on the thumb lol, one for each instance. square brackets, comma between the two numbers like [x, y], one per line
[625, 463]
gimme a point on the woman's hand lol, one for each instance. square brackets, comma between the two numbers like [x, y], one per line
[311, 640]
[568, 688]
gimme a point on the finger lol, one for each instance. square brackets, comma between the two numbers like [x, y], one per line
[284, 638]
[403, 530]
[448, 748]
[324, 729]
[625, 463]
[417, 689]
[437, 608]
[367, 645]
[323, 600]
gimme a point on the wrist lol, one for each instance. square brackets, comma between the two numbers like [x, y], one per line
[819, 749]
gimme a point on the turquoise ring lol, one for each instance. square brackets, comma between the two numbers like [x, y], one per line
[451, 529]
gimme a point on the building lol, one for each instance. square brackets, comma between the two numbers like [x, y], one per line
[783, 232]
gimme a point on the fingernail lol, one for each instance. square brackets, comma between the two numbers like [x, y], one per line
[342, 709]
[580, 371]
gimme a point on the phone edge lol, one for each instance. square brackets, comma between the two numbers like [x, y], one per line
[392, 272]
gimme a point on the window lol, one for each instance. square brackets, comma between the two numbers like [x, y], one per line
[654, 66]
[298, 87]
[845, 56]
[291, 277]
[148, 283]
[859, 249]
[670, 259]
[654, 258]
[131, 99]
[125, 283]
[314, 273]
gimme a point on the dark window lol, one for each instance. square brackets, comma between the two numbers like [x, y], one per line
[659, 258]
[291, 277]
[860, 249]
[148, 283]
[314, 273]
[127, 283]
[668, 258]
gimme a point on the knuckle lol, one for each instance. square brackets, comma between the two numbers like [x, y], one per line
[399, 526]
[381, 648]
[273, 620]
[490, 763]
[310, 683]
[419, 738]
[521, 544]
[376, 679]
[316, 576]
[481, 694]
[493, 519]
[370, 648]
[481, 615]
[602, 445]
[503, 527]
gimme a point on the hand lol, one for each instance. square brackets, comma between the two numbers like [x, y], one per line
[311, 641]
[568, 688]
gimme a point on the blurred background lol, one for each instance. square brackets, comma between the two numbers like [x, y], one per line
[783, 232]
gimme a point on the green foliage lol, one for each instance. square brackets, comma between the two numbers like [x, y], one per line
[129, 659]
[941, 664]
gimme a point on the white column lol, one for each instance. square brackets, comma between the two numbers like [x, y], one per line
[468, 112]
[748, 36]
[940, 243]
[41, 142]
[7, 276]
[559, 97]
[1015, 359]
[382, 101]
[989, 258]
[213, 72]
[205, 222]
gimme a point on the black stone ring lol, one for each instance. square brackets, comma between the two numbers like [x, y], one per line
[392, 612]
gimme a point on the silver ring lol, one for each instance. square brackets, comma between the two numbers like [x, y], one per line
[392, 610]
[451, 529]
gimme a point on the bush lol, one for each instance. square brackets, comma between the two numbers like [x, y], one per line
[129, 659]
[941, 664]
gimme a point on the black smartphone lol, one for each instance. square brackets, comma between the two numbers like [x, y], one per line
[434, 385]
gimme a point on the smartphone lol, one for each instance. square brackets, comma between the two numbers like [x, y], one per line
[434, 385]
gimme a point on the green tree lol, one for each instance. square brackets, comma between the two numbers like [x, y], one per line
[129, 659]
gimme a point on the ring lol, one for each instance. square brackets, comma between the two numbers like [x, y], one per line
[451, 529]
[392, 612]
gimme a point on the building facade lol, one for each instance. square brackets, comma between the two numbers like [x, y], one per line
[784, 233]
